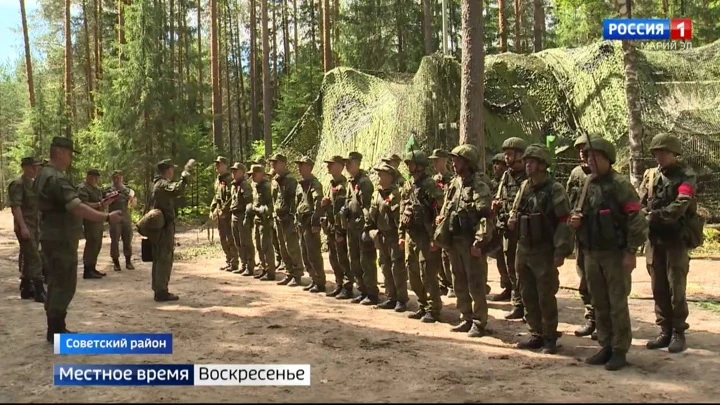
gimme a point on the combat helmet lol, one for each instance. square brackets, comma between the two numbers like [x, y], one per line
[499, 157]
[467, 152]
[418, 157]
[604, 146]
[581, 140]
[515, 143]
[667, 142]
[538, 151]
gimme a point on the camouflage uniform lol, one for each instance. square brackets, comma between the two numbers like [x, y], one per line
[22, 196]
[220, 205]
[261, 215]
[540, 213]
[498, 254]
[394, 160]
[466, 226]
[668, 207]
[335, 194]
[240, 197]
[122, 230]
[309, 197]
[382, 225]
[92, 231]
[284, 192]
[165, 193]
[443, 181]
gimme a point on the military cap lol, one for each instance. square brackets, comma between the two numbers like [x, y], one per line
[667, 142]
[354, 156]
[499, 157]
[116, 173]
[165, 164]
[258, 161]
[238, 166]
[29, 161]
[221, 159]
[514, 143]
[93, 172]
[581, 140]
[604, 146]
[278, 157]
[394, 158]
[439, 154]
[336, 159]
[61, 142]
[418, 157]
[257, 169]
[385, 167]
[305, 159]
[540, 152]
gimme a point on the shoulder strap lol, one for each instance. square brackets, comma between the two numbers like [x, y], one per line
[498, 193]
[651, 181]
[583, 193]
[519, 195]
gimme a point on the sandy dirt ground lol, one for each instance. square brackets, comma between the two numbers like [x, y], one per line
[357, 354]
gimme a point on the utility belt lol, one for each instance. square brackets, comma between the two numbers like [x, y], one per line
[535, 230]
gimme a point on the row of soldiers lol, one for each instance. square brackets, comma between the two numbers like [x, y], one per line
[420, 228]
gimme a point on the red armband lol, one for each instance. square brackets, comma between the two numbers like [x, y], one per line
[632, 206]
[686, 189]
[563, 219]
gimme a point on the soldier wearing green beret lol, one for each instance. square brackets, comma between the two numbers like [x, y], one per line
[165, 193]
[443, 176]
[122, 231]
[220, 210]
[260, 213]
[332, 204]
[23, 201]
[309, 212]
[540, 213]
[610, 229]
[60, 231]
[284, 191]
[91, 195]
[240, 198]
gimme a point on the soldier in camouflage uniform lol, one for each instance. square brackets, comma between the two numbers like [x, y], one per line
[669, 201]
[276, 245]
[382, 224]
[60, 231]
[465, 229]
[499, 168]
[284, 192]
[574, 188]
[394, 160]
[123, 230]
[513, 149]
[220, 210]
[363, 256]
[165, 193]
[91, 195]
[540, 213]
[240, 198]
[332, 203]
[260, 213]
[443, 176]
[421, 200]
[610, 229]
[23, 203]
[309, 211]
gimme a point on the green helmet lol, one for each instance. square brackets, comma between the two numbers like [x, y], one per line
[668, 142]
[467, 152]
[604, 146]
[539, 152]
[499, 157]
[515, 143]
[581, 140]
[417, 157]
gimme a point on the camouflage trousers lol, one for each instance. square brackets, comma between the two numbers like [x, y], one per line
[423, 266]
[62, 259]
[363, 262]
[226, 240]
[311, 249]
[163, 248]
[668, 265]
[93, 245]
[339, 260]
[583, 289]
[30, 261]
[264, 245]
[393, 267]
[121, 231]
[470, 278]
[242, 238]
[539, 282]
[289, 242]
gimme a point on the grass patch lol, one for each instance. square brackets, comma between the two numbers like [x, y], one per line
[711, 245]
[201, 250]
[713, 306]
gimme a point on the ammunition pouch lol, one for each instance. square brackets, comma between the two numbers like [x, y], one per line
[535, 230]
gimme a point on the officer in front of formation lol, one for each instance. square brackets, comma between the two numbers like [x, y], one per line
[284, 193]
[123, 230]
[60, 231]
[24, 206]
[443, 176]
[92, 195]
[309, 211]
[220, 210]
[332, 204]
[240, 197]
[539, 214]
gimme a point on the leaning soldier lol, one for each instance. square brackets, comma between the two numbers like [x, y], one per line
[499, 167]
[513, 149]
[420, 204]
[165, 193]
[668, 196]
[610, 229]
[240, 197]
[220, 210]
[91, 195]
[362, 253]
[332, 203]
[60, 231]
[23, 201]
[443, 176]
[122, 231]
[309, 211]
[260, 213]
[284, 192]
[382, 223]
[540, 213]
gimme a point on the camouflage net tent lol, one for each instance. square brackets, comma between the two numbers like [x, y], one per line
[556, 94]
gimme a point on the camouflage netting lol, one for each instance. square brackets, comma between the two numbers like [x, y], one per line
[557, 92]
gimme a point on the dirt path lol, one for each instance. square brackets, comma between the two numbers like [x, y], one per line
[357, 354]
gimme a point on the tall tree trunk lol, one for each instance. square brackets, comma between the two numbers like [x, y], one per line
[255, 101]
[97, 46]
[502, 26]
[539, 24]
[88, 63]
[200, 85]
[427, 26]
[453, 44]
[274, 45]
[665, 8]
[28, 56]
[471, 81]
[215, 79]
[121, 22]
[68, 70]
[296, 43]
[313, 24]
[445, 26]
[518, 23]
[239, 88]
[320, 25]
[267, 87]
[400, 25]
[228, 97]
[286, 38]
[327, 53]
[336, 32]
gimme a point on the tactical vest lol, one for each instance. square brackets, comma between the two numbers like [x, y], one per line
[464, 215]
[665, 191]
[604, 224]
[536, 219]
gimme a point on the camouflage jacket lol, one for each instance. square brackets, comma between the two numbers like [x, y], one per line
[467, 208]
[673, 195]
[240, 196]
[91, 194]
[262, 201]
[121, 203]
[336, 192]
[507, 191]
[420, 203]
[21, 194]
[284, 195]
[309, 200]
[359, 195]
[165, 194]
[57, 198]
[575, 183]
[384, 212]
[223, 193]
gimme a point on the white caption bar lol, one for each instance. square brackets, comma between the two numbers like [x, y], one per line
[252, 374]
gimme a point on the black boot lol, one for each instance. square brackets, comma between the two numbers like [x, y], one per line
[464, 327]
[360, 298]
[116, 264]
[370, 300]
[345, 294]
[616, 362]
[476, 331]
[388, 304]
[166, 296]
[39, 290]
[503, 296]
[247, 272]
[294, 282]
[267, 277]
[260, 275]
[417, 314]
[660, 342]
[285, 281]
[88, 273]
[516, 313]
[309, 286]
[53, 327]
[400, 307]
[128, 263]
[318, 288]
[334, 292]
[677, 343]
[26, 289]
[430, 317]
[96, 271]
[534, 342]
[586, 330]
[600, 358]
[549, 346]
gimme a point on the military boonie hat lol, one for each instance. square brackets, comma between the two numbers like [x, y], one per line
[239, 166]
[61, 142]
[165, 164]
[499, 157]
[257, 169]
[336, 159]
[29, 161]
[221, 159]
[116, 173]
[93, 172]
[278, 157]
[354, 156]
[439, 154]
[394, 158]
[384, 167]
[306, 160]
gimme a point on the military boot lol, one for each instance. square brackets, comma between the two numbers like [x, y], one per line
[360, 298]
[308, 287]
[549, 346]
[660, 342]
[430, 317]
[267, 277]
[586, 330]
[444, 290]
[387, 304]
[39, 291]
[318, 288]
[62, 326]
[487, 289]
[516, 313]
[503, 296]
[418, 314]
[166, 296]
[476, 331]
[677, 343]
[26, 289]
[96, 271]
[616, 362]
[370, 300]
[334, 292]
[533, 342]
[128, 263]
[53, 327]
[464, 327]
[600, 358]
[286, 280]
[247, 271]
[261, 274]
[88, 273]
[294, 282]
[116, 264]
[400, 307]
[345, 294]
